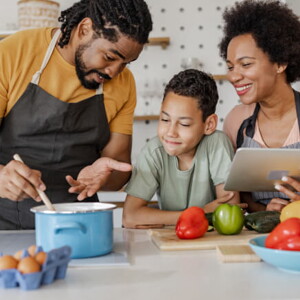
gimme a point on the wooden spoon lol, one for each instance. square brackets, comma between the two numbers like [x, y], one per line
[44, 197]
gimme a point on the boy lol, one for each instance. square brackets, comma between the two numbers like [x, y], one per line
[187, 163]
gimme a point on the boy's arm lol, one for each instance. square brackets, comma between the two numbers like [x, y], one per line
[220, 192]
[136, 214]
[224, 197]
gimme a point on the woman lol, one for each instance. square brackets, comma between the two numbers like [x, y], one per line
[261, 46]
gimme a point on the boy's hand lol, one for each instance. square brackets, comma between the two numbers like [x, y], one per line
[210, 207]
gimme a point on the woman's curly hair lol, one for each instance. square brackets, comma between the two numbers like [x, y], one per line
[274, 27]
[195, 84]
[110, 18]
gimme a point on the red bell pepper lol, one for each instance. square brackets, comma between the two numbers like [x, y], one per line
[192, 223]
[285, 236]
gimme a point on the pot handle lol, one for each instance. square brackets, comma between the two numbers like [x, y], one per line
[69, 225]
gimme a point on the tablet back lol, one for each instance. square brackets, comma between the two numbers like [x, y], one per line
[259, 169]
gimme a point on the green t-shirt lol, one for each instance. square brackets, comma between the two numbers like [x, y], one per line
[156, 171]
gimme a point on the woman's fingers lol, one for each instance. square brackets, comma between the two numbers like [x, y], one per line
[277, 204]
[283, 189]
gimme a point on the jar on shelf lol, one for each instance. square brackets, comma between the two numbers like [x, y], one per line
[37, 13]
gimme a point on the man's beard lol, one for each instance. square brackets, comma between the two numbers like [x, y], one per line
[81, 73]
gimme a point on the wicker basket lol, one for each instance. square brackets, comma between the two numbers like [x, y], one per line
[37, 13]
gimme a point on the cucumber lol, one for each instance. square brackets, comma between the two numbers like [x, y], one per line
[262, 221]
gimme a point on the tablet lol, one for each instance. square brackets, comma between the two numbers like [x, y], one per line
[259, 169]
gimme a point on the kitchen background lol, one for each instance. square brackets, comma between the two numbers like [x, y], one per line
[190, 32]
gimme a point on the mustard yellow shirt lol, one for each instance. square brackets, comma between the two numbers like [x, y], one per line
[21, 55]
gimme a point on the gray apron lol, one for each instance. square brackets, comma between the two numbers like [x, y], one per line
[245, 140]
[55, 137]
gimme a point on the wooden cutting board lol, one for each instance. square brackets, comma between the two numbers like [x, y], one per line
[236, 253]
[165, 239]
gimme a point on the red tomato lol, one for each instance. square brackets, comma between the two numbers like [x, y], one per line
[192, 223]
[291, 244]
[285, 236]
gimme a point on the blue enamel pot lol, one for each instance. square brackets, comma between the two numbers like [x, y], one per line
[86, 227]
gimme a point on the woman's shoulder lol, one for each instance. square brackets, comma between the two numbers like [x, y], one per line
[241, 111]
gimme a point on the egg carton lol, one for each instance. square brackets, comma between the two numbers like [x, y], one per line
[54, 267]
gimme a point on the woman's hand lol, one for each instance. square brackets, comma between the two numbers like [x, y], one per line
[91, 178]
[277, 204]
[211, 206]
[17, 182]
[293, 183]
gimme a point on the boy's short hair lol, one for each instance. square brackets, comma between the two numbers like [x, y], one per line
[196, 84]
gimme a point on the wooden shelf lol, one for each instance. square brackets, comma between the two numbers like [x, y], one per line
[146, 117]
[164, 42]
[220, 77]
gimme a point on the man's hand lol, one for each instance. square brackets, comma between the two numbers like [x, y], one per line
[91, 178]
[17, 182]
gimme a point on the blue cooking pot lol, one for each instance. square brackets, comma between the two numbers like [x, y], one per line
[86, 227]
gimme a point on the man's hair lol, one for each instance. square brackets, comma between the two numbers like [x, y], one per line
[274, 27]
[110, 19]
[195, 84]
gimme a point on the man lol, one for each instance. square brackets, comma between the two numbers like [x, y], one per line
[66, 99]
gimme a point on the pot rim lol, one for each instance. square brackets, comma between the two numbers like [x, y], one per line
[74, 208]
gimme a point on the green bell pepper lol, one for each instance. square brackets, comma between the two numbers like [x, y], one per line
[228, 219]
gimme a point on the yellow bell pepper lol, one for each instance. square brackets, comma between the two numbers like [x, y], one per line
[292, 210]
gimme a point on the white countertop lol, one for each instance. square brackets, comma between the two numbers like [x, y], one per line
[153, 274]
[115, 196]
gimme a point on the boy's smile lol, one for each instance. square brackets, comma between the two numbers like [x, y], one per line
[181, 126]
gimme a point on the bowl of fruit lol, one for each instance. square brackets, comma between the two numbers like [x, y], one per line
[281, 248]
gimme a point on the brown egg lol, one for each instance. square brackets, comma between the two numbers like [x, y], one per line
[18, 254]
[31, 250]
[8, 262]
[28, 265]
[41, 257]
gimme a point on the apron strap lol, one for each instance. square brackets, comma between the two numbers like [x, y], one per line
[99, 90]
[36, 77]
[297, 100]
[249, 125]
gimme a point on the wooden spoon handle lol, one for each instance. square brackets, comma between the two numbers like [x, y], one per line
[44, 197]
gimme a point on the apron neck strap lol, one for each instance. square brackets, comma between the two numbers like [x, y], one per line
[36, 77]
[297, 100]
[249, 126]
[99, 90]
